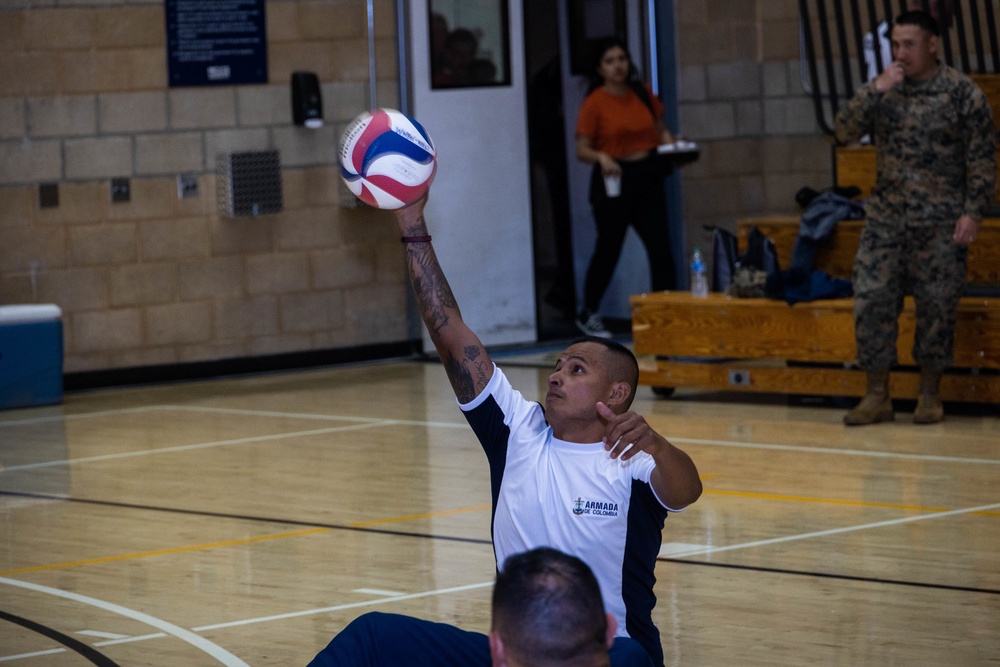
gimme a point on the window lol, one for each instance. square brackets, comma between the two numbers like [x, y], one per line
[469, 43]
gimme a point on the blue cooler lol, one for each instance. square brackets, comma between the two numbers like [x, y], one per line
[31, 355]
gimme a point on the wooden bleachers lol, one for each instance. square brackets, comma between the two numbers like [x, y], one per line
[765, 345]
[837, 256]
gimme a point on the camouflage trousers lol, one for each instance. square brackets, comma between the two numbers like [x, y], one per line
[894, 261]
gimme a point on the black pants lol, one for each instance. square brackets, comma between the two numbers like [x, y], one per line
[642, 204]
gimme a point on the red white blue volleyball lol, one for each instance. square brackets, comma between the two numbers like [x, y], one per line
[387, 159]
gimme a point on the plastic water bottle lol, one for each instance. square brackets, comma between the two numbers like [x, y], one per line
[699, 281]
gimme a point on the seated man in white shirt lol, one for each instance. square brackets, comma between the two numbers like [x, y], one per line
[585, 475]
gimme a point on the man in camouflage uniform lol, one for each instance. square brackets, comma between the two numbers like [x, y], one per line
[936, 159]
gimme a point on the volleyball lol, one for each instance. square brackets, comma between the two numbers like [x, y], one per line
[387, 159]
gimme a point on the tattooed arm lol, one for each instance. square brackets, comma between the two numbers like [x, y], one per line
[468, 365]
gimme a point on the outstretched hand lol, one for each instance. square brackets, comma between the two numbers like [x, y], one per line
[674, 479]
[421, 202]
[417, 205]
[627, 434]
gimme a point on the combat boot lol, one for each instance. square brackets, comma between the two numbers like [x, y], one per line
[876, 406]
[929, 409]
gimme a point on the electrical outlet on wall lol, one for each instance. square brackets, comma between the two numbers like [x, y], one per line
[48, 195]
[187, 186]
[121, 191]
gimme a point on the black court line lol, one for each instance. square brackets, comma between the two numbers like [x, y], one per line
[245, 517]
[471, 540]
[833, 575]
[91, 654]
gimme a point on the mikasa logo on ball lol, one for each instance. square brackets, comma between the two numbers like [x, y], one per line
[387, 159]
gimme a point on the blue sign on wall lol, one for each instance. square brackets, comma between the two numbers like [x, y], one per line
[216, 42]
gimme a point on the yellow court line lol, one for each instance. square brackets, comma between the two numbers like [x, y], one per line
[426, 515]
[230, 543]
[162, 552]
[834, 501]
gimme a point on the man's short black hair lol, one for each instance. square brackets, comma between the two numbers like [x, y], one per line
[547, 608]
[919, 17]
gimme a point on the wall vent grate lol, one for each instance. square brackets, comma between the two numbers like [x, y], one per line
[249, 183]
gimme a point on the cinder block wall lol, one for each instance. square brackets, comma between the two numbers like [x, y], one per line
[742, 99]
[160, 279]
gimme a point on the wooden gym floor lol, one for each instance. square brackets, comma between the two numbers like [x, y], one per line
[246, 521]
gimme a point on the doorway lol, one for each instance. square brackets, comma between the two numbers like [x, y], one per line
[555, 46]
[552, 231]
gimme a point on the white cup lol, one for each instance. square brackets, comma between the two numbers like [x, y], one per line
[613, 185]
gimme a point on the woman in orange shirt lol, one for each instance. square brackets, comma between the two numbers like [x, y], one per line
[618, 129]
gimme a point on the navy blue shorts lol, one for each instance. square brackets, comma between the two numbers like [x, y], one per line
[391, 640]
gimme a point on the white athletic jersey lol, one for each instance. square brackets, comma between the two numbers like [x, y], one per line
[575, 498]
